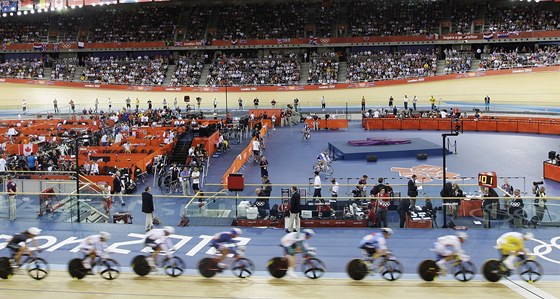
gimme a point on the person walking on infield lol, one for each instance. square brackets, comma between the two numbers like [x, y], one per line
[148, 207]
[295, 210]
[12, 190]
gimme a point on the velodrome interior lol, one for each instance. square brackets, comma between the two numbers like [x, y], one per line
[517, 156]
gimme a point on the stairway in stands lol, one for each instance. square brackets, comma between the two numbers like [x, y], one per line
[181, 150]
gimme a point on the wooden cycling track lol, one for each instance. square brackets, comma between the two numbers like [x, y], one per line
[521, 89]
[59, 285]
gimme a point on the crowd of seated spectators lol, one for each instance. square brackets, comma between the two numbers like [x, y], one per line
[274, 69]
[64, 69]
[324, 19]
[23, 31]
[457, 62]
[521, 17]
[139, 71]
[519, 58]
[188, 70]
[371, 66]
[197, 19]
[261, 20]
[69, 26]
[22, 69]
[462, 17]
[144, 24]
[393, 17]
[323, 68]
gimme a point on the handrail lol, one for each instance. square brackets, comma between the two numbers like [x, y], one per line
[196, 196]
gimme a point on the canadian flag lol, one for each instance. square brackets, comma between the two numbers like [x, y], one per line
[27, 149]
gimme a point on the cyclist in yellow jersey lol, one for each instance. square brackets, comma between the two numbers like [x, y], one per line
[511, 245]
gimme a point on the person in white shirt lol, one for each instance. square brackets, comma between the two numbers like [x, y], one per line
[317, 185]
[93, 246]
[2, 165]
[256, 150]
[449, 247]
[104, 140]
[158, 240]
[195, 175]
[118, 138]
[335, 187]
[94, 168]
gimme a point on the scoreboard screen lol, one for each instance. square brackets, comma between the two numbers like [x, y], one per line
[488, 179]
[9, 5]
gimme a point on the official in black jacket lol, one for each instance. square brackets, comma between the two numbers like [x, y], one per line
[148, 207]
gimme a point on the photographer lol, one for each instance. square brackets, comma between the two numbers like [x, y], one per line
[540, 200]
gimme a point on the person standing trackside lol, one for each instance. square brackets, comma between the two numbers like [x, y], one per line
[363, 104]
[540, 202]
[412, 189]
[185, 177]
[414, 102]
[24, 106]
[335, 187]
[391, 102]
[55, 104]
[96, 105]
[127, 103]
[240, 102]
[405, 102]
[516, 209]
[487, 103]
[72, 106]
[215, 103]
[323, 103]
[137, 104]
[110, 104]
[433, 102]
[148, 207]
[295, 210]
[195, 174]
[317, 185]
[12, 190]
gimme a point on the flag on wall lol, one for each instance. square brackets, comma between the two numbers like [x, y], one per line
[81, 45]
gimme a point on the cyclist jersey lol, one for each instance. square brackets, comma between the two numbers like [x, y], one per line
[323, 157]
[16, 239]
[295, 238]
[374, 241]
[94, 242]
[223, 238]
[512, 241]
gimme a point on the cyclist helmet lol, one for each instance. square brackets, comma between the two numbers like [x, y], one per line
[528, 236]
[169, 229]
[462, 235]
[105, 235]
[308, 232]
[34, 231]
[387, 230]
[236, 231]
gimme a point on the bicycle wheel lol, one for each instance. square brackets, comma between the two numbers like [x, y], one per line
[6, 270]
[174, 266]
[140, 265]
[491, 270]
[391, 270]
[530, 271]
[329, 169]
[167, 190]
[277, 267]
[464, 271]
[428, 270]
[357, 269]
[37, 268]
[109, 269]
[313, 268]
[76, 269]
[207, 267]
[243, 267]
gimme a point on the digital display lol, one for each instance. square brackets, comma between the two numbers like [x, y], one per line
[487, 179]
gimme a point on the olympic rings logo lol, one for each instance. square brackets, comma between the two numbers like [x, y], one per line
[545, 248]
